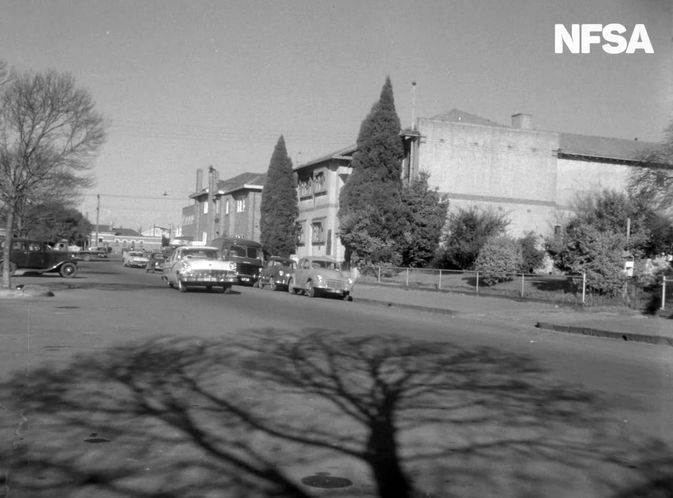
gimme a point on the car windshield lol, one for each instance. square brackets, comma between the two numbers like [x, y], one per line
[200, 254]
[136, 254]
[327, 265]
[245, 252]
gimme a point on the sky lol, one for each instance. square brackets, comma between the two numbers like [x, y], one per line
[190, 84]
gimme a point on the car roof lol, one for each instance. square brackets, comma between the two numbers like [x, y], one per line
[198, 248]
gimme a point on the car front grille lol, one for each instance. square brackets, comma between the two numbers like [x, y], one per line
[245, 269]
[335, 284]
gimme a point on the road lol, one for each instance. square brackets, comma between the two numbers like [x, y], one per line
[121, 385]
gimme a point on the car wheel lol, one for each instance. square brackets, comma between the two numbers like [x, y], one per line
[68, 270]
[181, 287]
[347, 297]
[272, 285]
[290, 287]
[309, 290]
[226, 289]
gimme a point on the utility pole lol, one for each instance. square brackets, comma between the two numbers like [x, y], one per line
[97, 217]
[413, 105]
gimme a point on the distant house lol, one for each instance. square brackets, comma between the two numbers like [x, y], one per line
[224, 208]
[118, 239]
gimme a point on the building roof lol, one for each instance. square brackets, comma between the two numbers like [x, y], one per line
[126, 232]
[344, 153]
[242, 181]
[458, 116]
[572, 144]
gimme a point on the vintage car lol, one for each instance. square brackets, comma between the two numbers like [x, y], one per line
[276, 273]
[247, 254]
[155, 262]
[31, 256]
[321, 275]
[198, 266]
[136, 259]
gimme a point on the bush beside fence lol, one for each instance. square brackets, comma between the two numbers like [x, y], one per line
[561, 289]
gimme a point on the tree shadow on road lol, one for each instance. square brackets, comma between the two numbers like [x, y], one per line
[279, 414]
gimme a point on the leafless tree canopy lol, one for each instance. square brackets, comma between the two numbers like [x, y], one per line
[49, 135]
[653, 183]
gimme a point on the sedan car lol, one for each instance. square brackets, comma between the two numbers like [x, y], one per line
[155, 262]
[276, 273]
[32, 256]
[136, 259]
[199, 266]
[321, 275]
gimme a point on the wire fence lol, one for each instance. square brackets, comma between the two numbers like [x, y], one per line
[560, 289]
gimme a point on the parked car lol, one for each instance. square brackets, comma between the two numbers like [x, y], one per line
[155, 262]
[198, 266]
[32, 256]
[320, 275]
[247, 254]
[136, 259]
[91, 253]
[276, 273]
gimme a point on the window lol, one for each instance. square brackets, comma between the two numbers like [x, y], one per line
[305, 186]
[319, 182]
[240, 205]
[205, 207]
[226, 207]
[317, 234]
[300, 233]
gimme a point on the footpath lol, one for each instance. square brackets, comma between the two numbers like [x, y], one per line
[621, 324]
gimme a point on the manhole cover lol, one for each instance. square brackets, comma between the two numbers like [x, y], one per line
[326, 481]
[95, 438]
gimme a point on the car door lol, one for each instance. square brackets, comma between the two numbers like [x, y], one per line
[303, 269]
[19, 254]
[172, 266]
[35, 255]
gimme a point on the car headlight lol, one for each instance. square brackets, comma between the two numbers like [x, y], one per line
[350, 281]
[319, 278]
[281, 273]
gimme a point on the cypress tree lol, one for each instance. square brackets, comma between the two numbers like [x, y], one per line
[279, 207]
[369, 201]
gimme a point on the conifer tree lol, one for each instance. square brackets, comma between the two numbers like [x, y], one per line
[369, 201]
[278, 222]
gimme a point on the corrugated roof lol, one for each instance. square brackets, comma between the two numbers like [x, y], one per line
[458, 116]
[602, 147]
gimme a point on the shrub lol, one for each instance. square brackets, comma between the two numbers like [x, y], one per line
[499, 260]
[532, 257]
[467, 232]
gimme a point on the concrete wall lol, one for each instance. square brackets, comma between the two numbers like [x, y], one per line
[580, 177]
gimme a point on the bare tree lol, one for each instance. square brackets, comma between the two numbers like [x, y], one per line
[652, 184]
[49, 135]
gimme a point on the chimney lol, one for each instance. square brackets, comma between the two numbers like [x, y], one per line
[199, 180]
[522, 121]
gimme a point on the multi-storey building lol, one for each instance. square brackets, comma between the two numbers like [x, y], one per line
[224, 208]
[532, 176]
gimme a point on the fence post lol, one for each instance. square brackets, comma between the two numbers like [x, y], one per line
[439, 285]
[477, 288]
[378, 279]
[584, 287]
[407, 277]
[522, 284]
[663, 294]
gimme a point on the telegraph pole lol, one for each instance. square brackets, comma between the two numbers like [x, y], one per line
[97, 216]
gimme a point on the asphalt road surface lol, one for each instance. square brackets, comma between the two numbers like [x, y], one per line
[120, 386]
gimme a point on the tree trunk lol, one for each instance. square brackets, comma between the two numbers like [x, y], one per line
[6, 248]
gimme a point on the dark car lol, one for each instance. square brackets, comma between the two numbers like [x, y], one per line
[32, 256]
[247, 254]
[276, 273]
[155, 262]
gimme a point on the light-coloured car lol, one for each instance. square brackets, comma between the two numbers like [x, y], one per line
[321, 275]
[198, 266]
[136, 259]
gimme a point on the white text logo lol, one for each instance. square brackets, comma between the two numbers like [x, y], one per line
[581, 37]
